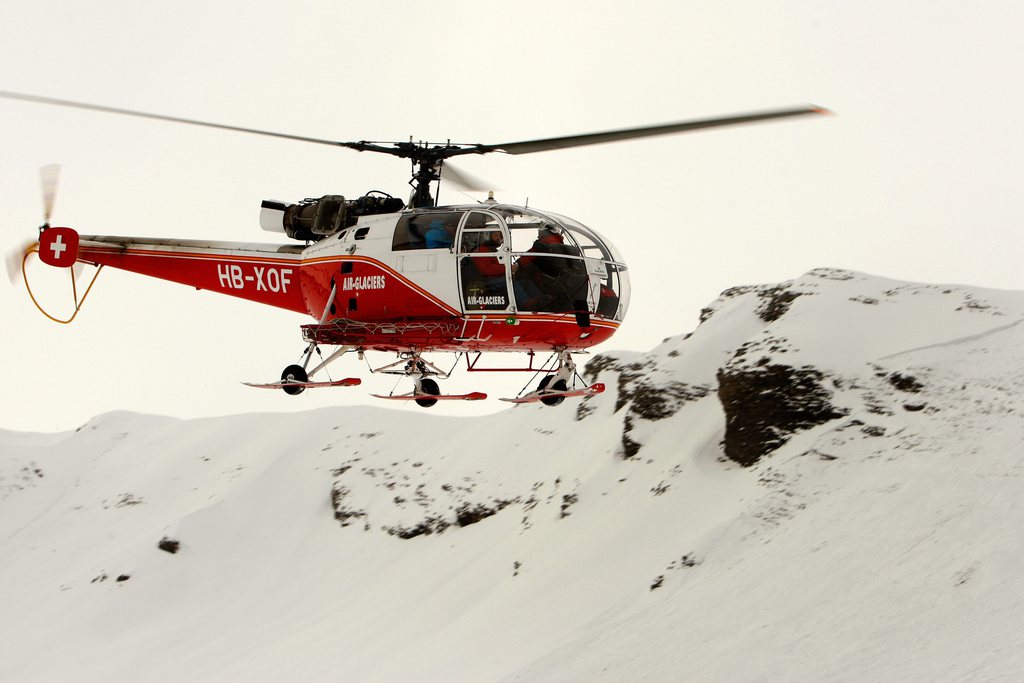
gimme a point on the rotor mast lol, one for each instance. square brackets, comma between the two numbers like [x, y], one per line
[427, 161]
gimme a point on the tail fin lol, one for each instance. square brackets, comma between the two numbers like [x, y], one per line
[58, 247]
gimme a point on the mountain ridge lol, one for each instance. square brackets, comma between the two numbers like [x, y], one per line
[619, 540]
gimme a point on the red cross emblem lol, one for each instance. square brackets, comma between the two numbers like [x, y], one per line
[58, 247]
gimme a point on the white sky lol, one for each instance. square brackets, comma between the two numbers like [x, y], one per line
[915, 179]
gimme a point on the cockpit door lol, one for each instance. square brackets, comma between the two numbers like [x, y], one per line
[484, 263]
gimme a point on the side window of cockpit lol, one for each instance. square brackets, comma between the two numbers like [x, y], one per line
[483, 263]
[481, 232]
[426, 231]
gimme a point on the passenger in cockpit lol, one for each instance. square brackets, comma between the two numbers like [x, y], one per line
[437, 236]
[490, 268]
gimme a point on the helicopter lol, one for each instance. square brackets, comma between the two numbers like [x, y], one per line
[408, 277]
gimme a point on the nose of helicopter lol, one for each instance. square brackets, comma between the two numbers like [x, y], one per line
[605, 265]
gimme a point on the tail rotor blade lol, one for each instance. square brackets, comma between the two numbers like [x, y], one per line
[14, 259]
[49, 175]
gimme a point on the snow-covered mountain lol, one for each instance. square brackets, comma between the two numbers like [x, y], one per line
[821, 482]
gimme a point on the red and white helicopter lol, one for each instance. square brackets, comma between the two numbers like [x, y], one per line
[379, 274]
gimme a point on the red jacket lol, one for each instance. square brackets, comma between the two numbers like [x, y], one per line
[488, 267]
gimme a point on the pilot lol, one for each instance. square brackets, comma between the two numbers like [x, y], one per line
[549, 241]
[558, 280]
[437, 237]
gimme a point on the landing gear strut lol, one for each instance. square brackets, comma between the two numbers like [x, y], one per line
[421, 371]
[559, 381]
[554, 388]
[295, 378]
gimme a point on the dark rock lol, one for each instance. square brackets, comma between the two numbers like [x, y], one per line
[652, 402]
[775, 302]
[631, 378]
[471, 514]
[832, 274]
[568, 500]
[905, 383]
[658, 402]
[343, 513]
[169, 545]
[765, 404]
[599, 364]
[647, 397]
[629, 447]
[431, 525]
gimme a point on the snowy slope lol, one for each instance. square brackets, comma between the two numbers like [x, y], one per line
[611, 539]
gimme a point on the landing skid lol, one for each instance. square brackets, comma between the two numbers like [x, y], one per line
[553, 389]
[542, 394]
[472, 396]
[292, 384]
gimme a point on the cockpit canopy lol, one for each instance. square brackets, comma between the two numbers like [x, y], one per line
[553, 263]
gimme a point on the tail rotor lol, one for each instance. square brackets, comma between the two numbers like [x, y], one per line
[14, 259]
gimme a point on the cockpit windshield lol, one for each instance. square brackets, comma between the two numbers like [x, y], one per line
[561, 265]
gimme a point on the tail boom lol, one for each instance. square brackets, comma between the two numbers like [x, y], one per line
[264, 273]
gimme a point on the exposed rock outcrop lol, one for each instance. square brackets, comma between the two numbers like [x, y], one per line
[766, 404]
[644, 389]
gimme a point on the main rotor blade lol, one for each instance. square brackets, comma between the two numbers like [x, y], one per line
[424, 153]
[530, 146]
[174, 119]
[463, 180]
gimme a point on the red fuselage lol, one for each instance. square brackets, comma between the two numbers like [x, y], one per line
[395, 290]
